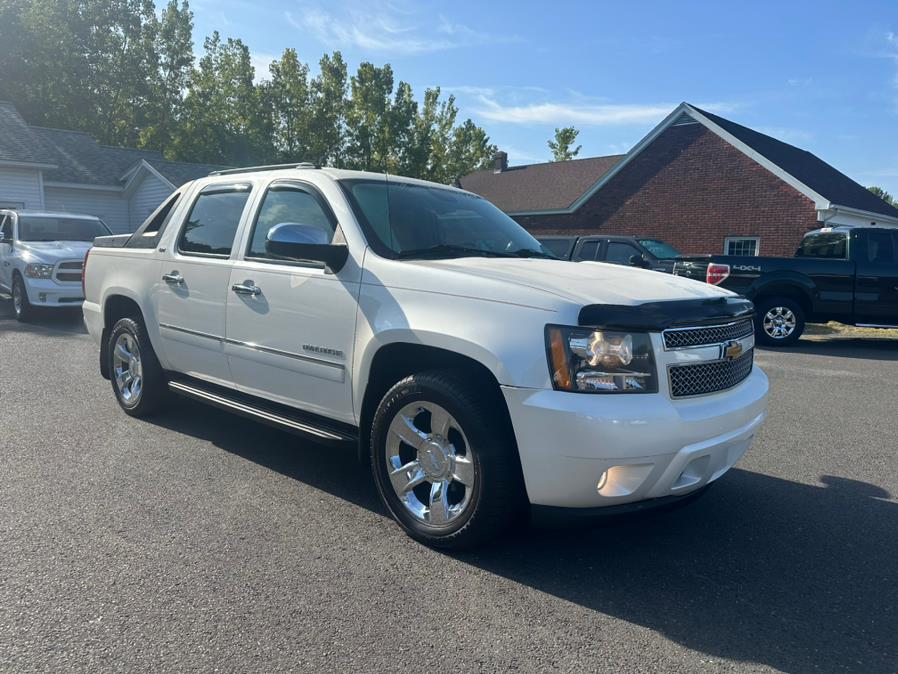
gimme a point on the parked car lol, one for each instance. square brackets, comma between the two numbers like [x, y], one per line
[41, 256]
[631, 251]
[845, 274]
[421, 324]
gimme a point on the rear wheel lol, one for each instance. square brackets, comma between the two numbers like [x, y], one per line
[445, 462]
[137, 378]
[21, 306]
[779, 321]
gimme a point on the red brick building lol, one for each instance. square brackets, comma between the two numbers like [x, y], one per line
[699, 181]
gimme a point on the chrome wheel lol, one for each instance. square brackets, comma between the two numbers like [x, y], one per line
[17, 300]
[127, 369]
[779, 322]
[430, 463]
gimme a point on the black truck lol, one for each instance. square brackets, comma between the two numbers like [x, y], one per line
[845, 274]
[632, 251]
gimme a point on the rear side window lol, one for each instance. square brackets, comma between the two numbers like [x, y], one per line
[290, 204]
[150, 232]
[830, 244]
[212, 223]
[880, 248]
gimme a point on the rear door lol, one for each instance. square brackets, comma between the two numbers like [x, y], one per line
[876, 284]
[291, 325]
[192, 290]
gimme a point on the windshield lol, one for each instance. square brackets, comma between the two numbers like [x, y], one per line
[50, 228]
[404, 220]
[660, 249]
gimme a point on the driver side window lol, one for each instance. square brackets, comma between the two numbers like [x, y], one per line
[290, 204]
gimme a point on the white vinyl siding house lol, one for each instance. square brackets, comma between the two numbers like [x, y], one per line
[20, 188]
[69, 171]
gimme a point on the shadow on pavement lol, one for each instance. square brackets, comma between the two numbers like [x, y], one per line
[761, 570]
[843, 347]
[45, 321]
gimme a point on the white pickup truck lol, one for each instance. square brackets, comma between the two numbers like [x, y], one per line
[416, 321]
[41, 255]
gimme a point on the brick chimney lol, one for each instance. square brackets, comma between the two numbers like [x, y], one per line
[500, 162]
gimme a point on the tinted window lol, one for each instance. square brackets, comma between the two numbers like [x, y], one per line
[213, 221]
[559, 247]
[619, 253]
[829, 244]
[660, 249]
[5, 227]
[52, 228]
[283, 204]
[587, 250]
[880, 247]
[149, 233]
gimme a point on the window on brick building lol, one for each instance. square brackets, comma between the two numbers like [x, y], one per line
[741, 245]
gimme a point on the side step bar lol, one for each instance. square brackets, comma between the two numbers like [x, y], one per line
[264, 412]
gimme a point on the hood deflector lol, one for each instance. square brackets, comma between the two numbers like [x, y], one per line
[656, 316]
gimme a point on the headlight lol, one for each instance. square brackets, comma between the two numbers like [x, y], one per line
[39, 270]
[591, 360]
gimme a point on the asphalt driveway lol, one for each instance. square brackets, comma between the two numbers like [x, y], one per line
[202, 541]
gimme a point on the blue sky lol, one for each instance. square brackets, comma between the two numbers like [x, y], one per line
[820, 75]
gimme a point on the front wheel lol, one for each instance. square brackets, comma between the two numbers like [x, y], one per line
[445, 462]
[21, 306]
[779, 321]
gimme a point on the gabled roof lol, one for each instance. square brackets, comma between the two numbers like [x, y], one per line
[18, 143]
[75, 157]
[562, 187]
[538, 187]
[807, 168]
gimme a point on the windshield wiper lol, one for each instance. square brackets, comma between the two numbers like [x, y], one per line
[448, 250]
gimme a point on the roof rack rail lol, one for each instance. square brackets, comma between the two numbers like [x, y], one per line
[269, 167]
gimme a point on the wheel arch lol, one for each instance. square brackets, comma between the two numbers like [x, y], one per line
[116, 306]
[393, 361]
[799, 292]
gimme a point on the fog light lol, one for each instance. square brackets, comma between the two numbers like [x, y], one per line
[42, 297]
[603, 480]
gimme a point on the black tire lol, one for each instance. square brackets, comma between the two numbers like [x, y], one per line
[22, 307]
[153, 389]
[497, 497]
[787, 309]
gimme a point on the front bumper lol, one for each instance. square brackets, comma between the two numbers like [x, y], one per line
[49, 293]
[587, 450]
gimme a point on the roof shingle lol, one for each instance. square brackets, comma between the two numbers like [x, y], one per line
[18, 142]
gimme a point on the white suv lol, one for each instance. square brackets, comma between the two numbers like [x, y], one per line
[41, 255]
[419, 323]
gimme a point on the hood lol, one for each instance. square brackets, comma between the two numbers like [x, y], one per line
[53, 251]
[581, 282]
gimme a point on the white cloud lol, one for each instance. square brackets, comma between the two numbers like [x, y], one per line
[260, 62]
[598, 114]
[383, 26]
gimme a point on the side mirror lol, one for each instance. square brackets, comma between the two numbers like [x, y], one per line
[297, 242]
[638, 260]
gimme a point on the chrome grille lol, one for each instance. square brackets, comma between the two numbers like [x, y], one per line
[683, 338]
[709, 377]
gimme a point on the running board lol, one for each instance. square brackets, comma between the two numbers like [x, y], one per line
[282, 417]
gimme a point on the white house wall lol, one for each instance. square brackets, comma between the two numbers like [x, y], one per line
[146, 197]
[110, 206]
[21, 188]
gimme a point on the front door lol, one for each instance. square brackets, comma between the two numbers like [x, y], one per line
[876, 290]
[291, 326]
[193, 288]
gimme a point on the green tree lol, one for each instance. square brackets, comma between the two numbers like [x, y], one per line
[561, 145]
[288, 98]
[368, 120]
[882, 194]
[327, 124]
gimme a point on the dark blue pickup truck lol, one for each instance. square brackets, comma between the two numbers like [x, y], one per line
[846, 274]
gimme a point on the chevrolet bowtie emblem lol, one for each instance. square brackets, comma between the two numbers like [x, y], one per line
[732, 350]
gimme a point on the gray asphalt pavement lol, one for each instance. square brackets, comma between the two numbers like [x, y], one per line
[200, 541]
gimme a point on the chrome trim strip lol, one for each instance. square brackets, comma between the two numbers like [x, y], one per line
[285, 354]
[188, 331]
[252, 411]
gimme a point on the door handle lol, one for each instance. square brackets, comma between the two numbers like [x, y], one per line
[173, 278]
[246, 288]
